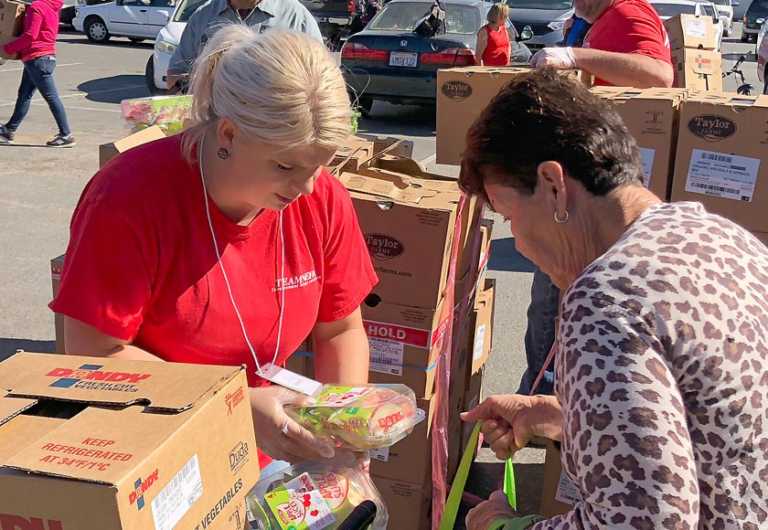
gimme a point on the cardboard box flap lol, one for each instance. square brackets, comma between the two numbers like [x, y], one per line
[157, 385]
[94, 445]
[10, 407]
[17, 435]
[386, 189]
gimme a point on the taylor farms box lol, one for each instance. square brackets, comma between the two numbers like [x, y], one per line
[91, 443]
[652, 117]
[408, 225]
[409, 505]
[11, 21]
[721, 157]
[352, 154]
[405, 342]
[110, 150]
[691, 31]
[700, 70]
[462, 95]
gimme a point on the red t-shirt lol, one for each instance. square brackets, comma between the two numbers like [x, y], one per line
[629, 26]
[141, 264]
[497, 51]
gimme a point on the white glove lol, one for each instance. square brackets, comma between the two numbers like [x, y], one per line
[559, 58]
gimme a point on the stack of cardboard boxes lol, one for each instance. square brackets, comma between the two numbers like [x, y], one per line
[408, 217]
[697, 63]
[11, 21]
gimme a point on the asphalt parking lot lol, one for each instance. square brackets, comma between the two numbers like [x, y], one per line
[39, 188]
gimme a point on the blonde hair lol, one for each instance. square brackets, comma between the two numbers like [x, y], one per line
[280, 87]
[498, 13]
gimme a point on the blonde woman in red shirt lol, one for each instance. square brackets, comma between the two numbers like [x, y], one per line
[494, 46]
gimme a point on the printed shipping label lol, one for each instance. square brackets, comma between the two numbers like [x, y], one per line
[648, 156]
[477, 352]
[722, 175]
[382, 455]
[290, 380]
[178, 496]
[696, 28]
[386, 356]
[567, 491]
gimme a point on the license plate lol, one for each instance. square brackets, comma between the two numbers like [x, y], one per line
[406, 59]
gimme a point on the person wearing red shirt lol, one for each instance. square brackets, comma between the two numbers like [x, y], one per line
[494, 47]
[627, 45]
[230, 243]
[36, 47]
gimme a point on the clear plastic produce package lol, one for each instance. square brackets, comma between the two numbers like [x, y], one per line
[167, 112]
[362, 417]
[313, 496]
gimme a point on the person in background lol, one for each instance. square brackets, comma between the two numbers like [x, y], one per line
[261, 15]
[575, 31]
[36, 47]
[230, 243]
[662, 345]
[626, 45]
[494, 46]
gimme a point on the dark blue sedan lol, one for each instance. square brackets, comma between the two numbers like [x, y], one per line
[389, 61]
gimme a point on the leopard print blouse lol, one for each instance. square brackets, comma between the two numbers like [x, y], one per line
[662, 373]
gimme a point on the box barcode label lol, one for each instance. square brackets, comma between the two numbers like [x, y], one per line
[386, 356]
[178, 496]
[722, 175]
[567, 491]
[382, 455]
[648, 156]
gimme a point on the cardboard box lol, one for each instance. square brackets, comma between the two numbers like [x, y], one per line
[700, 70]
[109, 151]
[408, 225]
[101, 444]
[652, 117]
[482, 338]
[558, 493]
[721, 157]
[409, 505]
[57, 265]
[762, 237]
[404, 342]
[691, 31]
[462, 95]
[11, 21]
[352, 154]
[473, 395]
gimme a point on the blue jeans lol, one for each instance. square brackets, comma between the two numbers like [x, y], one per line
[38, 75]
[542, 313]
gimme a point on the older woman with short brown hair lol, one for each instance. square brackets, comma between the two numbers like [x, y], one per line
[662, 347]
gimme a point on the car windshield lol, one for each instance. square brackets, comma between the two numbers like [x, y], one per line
[555, 5]
[186, 9]
[672, 10]
[404, 16]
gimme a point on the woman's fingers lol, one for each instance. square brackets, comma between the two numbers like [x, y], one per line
[504, 446]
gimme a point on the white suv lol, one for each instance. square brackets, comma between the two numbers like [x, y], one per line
[135, 19]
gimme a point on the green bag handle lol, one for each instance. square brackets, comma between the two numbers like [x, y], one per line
[451, 510]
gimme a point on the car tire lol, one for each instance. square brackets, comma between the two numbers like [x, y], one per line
[96, 30]
[149, 78]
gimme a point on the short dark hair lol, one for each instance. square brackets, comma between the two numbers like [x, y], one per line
[545, 115]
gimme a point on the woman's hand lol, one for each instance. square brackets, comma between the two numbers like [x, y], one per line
[277, 434]
[510, 421]
[484, 514]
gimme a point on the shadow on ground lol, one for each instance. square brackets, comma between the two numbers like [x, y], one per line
[505, 257]
[114, 89]
[386, 118]
[9, 346]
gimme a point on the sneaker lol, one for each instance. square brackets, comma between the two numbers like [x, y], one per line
[6, 136]
[62, 141]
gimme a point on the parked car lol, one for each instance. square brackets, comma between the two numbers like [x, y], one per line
[672, 8]
[334, 18]
[546, 18]
[156, 71]
[388, 61]
[756, 15]
[725, 12]
[69, 10]
[135, 19]
[762, 57]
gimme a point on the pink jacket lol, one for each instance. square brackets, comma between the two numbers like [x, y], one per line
[41, 27]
